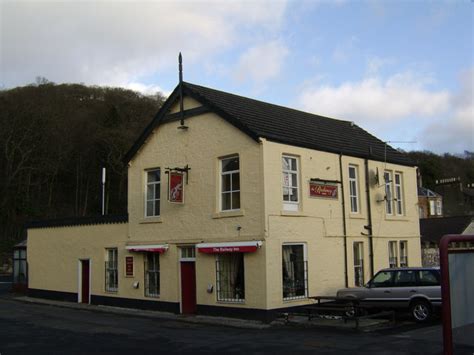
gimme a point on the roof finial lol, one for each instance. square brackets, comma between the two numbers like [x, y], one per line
[181, 105]
[180, 60]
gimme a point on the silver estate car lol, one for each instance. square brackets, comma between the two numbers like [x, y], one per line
[417, 289]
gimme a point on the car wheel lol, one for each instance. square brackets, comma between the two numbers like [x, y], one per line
[421, 311]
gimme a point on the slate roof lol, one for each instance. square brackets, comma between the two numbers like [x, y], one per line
[283, 125]
[432, 229]
[77, 221]
[424, 192]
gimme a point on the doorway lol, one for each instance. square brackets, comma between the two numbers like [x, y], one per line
[85, 282]
[188, 280]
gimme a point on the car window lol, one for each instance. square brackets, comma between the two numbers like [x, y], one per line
[382, 279]
[428, 278]
[405, 278]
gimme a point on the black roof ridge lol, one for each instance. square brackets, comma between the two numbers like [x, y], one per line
[271, 104]
[77, 221]
[446, 217]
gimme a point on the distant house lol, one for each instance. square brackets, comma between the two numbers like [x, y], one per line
[458, 196]
[433, 229]
[430, 203]
[236, 207]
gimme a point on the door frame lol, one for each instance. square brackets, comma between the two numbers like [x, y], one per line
[79, 280]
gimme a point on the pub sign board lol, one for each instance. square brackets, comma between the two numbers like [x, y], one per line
[129, 266]
[318, 189]
[176, 187]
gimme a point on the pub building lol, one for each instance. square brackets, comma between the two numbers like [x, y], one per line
[239, 208]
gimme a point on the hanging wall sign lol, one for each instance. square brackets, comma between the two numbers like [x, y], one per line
[176, 187]
[318, 189]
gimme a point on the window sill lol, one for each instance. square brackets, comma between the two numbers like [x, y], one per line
[147, 220]
[231, 302]
[356, 216]
[153, 297]
[111, 291]
[292, 213]
[295, 299]
[396, 218]
[224, 214]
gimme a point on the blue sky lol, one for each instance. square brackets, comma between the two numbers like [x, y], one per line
[401, 70]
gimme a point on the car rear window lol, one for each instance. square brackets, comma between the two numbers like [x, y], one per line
[428, 278]
[405, 278]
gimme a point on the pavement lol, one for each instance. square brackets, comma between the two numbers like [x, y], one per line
[30, 326]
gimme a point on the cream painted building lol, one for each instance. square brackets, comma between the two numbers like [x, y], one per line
[236, 208]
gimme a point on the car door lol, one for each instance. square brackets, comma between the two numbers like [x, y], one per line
[404, 287]
[379, 291]
[429, 282]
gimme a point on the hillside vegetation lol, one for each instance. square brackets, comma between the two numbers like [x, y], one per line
[54, 140]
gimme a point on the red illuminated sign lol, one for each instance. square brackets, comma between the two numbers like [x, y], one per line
[129, 266]
[317, 189]
[176, 187]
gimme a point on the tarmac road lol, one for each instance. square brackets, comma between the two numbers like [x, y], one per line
[44, 329]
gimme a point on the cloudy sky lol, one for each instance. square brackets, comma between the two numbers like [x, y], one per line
[403, 70]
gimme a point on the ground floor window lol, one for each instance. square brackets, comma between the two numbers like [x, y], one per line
[392, 254]
[359, 264]
[403, 253]
[295, 272]
[230, 277]
[152, 275]
[111, 270]
[19, 266]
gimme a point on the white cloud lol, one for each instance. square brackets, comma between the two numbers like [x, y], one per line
[114, 42]
[401, 107]
[376, 100]
[145, 89]
[454, 132]
[262, 62]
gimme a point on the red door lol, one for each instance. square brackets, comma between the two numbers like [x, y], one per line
[85, 281]
[188, 287]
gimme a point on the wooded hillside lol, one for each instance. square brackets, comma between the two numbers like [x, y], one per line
[54, 140]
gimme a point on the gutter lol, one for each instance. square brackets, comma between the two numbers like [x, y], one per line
[368, 227]
[344, 227]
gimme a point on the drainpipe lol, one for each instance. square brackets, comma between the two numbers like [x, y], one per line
[368, 227]
[344, 228]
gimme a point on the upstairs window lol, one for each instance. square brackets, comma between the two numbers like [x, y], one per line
[111, 270]
[290, 183]
[353, 190]
[153, 184]
[388, 192]
[398, 194]
[230, 184]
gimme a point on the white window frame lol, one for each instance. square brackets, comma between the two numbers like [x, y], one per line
[305, 270]
[219, 288]
[230, 192]
[354, 189]
[155, 185]
[392, 254]
[111, 265]
[403, 255]
[388, 179]
[432, 207]
[360, 265]
[291, 205]
[155, 272]
[439, 208]
[398, 189]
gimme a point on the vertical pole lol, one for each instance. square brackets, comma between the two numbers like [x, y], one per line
[344, 227]
[180, 59]
[103, 191]
[369, 218]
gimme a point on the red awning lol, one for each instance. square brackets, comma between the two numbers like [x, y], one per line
[155, 248]
[231, 247]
